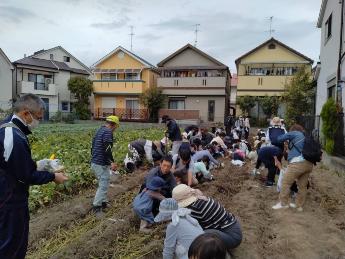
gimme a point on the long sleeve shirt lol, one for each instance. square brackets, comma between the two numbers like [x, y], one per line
[296, 142]
[199, 167]
[179, 238]
[198, 155]
[220, 142]
[102, 145]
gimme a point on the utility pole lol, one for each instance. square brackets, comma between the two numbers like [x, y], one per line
[196, 33]
[270, 31]
[131, 35]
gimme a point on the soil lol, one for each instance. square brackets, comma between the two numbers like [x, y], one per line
[69, 230]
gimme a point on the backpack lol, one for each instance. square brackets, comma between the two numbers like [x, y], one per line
[311, 150]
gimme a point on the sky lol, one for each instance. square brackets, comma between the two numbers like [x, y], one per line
[90, 29]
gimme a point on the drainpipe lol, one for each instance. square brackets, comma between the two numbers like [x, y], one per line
[339, 80]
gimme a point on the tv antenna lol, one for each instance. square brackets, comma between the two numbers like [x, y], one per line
[196, 33]
[271, 30]
[131, 35]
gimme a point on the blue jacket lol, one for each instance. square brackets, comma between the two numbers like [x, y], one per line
[295, 137]
[17, 169]
[174, 133]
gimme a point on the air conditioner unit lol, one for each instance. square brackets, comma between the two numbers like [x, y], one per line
[48, 81]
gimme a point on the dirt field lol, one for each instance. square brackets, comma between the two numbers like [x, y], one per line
[68, 230]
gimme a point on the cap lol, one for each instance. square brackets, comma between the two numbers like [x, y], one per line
[113, 119]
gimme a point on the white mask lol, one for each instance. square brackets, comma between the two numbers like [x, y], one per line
[34, 123]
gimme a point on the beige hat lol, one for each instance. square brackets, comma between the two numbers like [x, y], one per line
[276, 121]
[185, 195]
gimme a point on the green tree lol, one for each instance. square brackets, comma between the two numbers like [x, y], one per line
[299, 95]
[330, 123]
[154, 100]
[246, 103]
[270, 105]
[81, 87]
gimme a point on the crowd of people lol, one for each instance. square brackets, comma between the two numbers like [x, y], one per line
[198, 226]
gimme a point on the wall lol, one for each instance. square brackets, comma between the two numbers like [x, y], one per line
[189, 58]
[201, 103]
[5, 84]
[328, 53]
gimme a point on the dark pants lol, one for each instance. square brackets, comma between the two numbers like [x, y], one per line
[246, 133]
[231, 236]
[14, 232]
[272, 171]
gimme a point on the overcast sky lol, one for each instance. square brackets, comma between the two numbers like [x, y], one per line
[89, 29]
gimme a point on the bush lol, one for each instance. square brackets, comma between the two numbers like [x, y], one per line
[330, 123]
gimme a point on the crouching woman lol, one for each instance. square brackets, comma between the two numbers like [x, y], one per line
[211, 215]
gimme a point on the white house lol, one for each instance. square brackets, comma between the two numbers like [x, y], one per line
[329, 22]
[46, 73]
[6, 71]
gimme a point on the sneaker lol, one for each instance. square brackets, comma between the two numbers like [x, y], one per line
[105, 205]
[269, 184]
[97, 210]
[293, 205]
[280, 206]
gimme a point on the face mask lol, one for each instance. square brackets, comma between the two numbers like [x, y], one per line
[34, 123]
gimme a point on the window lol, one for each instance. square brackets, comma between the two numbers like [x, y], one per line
[331, 92]
[105, 76]
[51, 57]
[39, 81]
[176, 104]
[328, 28]
[132, 76]
[66, 59]
[272, 46]
[64, 106]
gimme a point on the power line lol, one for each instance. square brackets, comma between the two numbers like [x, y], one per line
[196, 33]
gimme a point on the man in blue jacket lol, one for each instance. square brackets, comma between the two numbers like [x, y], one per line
[17, 172]
[173, 132]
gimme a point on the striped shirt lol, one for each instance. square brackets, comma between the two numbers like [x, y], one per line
[211, 215]
[102, 144]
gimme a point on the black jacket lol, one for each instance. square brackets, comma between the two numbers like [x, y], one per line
[174, 133]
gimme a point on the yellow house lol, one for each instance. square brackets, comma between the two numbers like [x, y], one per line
[120, 78]
[265, 70]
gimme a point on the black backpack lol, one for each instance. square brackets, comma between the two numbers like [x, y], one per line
[311, 150]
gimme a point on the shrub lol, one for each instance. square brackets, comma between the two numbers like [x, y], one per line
[330, 124]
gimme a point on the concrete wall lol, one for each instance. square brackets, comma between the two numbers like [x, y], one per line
[328, 53]
[189, 58]
[5, 83]
[201, 103]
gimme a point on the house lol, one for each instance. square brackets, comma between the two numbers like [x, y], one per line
[46, 74]
[266, 69]
[331, 78]
[233, 94]
[120, 78]
[197, 86]
[6, 72]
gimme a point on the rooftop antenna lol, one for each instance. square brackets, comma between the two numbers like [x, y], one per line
[131, 35]
[270, 31]
[196, 33]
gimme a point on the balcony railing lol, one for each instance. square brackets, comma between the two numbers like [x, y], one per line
[180, 114]
[123, 113]
[191, 82]
[26, 87]
[118, 86]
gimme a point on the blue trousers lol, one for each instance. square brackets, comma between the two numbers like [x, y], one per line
[14, 232]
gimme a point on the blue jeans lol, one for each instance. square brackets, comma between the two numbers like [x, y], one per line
[102, 173]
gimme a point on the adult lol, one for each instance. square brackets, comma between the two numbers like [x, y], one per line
[269, 156]
[184, 161]
[229, 123]
[211, 215]
[191, 131]
[17, 172]
[173, 132]
[140, 149]
[208, 246]
[298, 169]
[239, 124]
[246, 128]
[220, 140]
[181, 230]
[102, 162]
[206, 137]
[274, 131]
[163, 171]
[198, 155]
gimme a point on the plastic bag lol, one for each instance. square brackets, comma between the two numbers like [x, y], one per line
[50, 165]
[280, 179]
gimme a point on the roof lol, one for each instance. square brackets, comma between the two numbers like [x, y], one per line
[321, 13]
[189, 46]
[192, 67]
[51, 64]
[37, 53]
[277, 42]
[141, 60]
[2, 53]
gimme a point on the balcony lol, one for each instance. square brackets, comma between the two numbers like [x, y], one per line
[26, 87]
[262, 83]
[191, 82]
[121, 87]
[123, 114]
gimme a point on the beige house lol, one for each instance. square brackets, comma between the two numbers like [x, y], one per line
[6, 71]
[197, 86]
[46, 74]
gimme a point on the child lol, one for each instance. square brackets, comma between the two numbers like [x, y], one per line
[181, 176]
[142, 204]
[238, 153]
[201, 171]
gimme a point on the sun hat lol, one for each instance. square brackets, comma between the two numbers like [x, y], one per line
[155, 183]
[276, 121]
[113, 119]
[166, 208]
[185, 195]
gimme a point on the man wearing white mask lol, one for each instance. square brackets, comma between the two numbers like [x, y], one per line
[17, 172]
